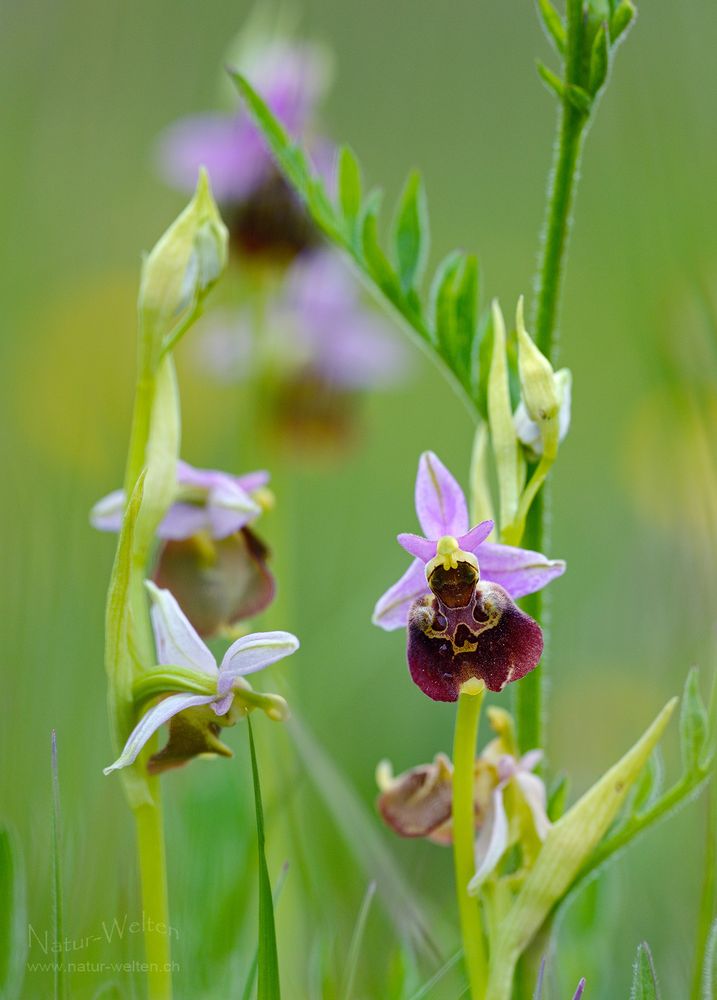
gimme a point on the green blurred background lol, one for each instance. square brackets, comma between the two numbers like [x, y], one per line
[451, 89]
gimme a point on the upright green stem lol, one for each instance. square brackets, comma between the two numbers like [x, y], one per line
[464, 750]
[529, 694]
[155, 910]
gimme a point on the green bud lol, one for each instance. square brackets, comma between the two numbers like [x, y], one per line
[180, 270]
[537, 378]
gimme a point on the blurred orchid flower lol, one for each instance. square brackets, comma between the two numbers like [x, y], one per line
[263, 215]
[320, 346]
[179, 646]
[207, 501]
[210, 559]
[442, 512]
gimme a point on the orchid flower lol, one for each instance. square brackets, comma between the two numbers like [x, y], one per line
[509, 803]
[442, 511]
[207, 501]
[263, 215]
[457, 595]
[210, 559]
[180, 648]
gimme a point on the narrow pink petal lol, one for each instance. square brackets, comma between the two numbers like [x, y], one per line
[177, 642]
[150, 723]
[421, 548]
[520, 571]
[579, 991]
[230, 508]
[475, 537]
[440, 503]
[391, 611]
[183, 520]
[254, 652]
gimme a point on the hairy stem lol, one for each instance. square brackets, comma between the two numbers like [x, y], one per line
[464, 750]
[155, 909]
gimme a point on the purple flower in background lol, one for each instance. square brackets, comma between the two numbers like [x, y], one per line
[195, 718]
[207, 501]
[457, 595]
[210, 559]
[320, 346]
[263, 215]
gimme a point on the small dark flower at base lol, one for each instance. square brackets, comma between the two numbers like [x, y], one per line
[418, 802]
[217, 581]
[191, 733]
[468, 629]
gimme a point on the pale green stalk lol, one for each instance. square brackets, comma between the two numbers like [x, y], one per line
[470, 700]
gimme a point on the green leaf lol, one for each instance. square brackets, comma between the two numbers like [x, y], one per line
[349, 188]
[13, 916]
[376, 261]
[267, 955]
[466, 310]
[251, 976]
[599, 60]
[553, 24]
[566, 849]
[580, 99]
[693, 722]
[58, 910]
[709, 970]
[558, 797]
[551, 80]
[648, 788]
[621, 20]
[644, 979]
[443, 297]
[410, 232]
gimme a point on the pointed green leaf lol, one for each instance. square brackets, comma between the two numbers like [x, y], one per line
[553, 24]
[410, 232]
[693, 722]
[377, 264]
[267, 955]
[551, 80]
[648, 788]
[579, 98]
[443, 296]
[568, 846]
[709, 969]
[558, 797]
[621, 20]
[644, 978]
[502, 428]
[466, 308]
[599, 60]
[13, 916]
[349, 188]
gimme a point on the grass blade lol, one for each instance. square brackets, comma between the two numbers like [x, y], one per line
[438, 976]
[249, 985]
[13, 916]
[356, 942]
[267, 956]
[57, 896]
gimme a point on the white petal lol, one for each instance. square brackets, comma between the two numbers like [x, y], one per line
[229, 508]
[252, 653]
[491, 842]
[533, 791]
[150, 723]
[107, 513]
[177, 642]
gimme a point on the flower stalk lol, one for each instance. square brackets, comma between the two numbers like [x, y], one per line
[470, 701]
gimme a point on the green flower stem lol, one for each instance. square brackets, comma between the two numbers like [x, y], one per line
[155, 909]
[464, 751]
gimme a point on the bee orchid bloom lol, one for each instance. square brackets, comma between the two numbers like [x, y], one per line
[457, 596]
[192, 731]
[211, 560]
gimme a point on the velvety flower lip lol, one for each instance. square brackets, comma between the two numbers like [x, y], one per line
[442, 511]
[178, 645]
[291, 79]
[207, 501]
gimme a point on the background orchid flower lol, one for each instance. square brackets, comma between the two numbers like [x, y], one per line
[210, 559]
[442, 511]
[320, 346]
[179, 646]
[263, 215]
[207, 501]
